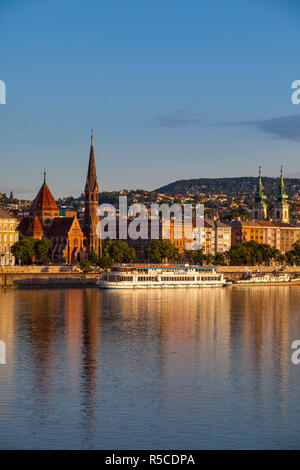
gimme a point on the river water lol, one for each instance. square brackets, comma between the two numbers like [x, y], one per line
[150, 369]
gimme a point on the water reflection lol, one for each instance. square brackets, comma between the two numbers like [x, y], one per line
[195, 368]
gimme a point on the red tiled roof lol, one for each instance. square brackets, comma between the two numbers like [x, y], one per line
[61, 225]
[44, 200]
[36, 226]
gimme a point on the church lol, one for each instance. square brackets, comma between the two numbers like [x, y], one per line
[71, 242]
[274, 229]
[281, 206]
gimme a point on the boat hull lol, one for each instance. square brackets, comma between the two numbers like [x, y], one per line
[158, 286]
[297, 283]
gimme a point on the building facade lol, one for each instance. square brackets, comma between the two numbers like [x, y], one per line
[65, 233]
[8, 236]
[279, 235]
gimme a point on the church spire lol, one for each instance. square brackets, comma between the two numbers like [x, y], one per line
[260, 197]
[281, 195]
[91, 218]
[91, 179]
[259, 211]
[281, 208]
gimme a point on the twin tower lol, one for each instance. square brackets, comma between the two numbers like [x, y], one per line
[281, 208]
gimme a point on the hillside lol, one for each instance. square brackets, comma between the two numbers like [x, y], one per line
[229, 186]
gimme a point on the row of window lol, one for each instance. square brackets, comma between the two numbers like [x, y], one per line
[165, 278]
[117, 278]
[11, 238]
[188, 278]
[6, 228]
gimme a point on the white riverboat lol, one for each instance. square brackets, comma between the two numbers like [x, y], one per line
[258, 278]
[158, 276]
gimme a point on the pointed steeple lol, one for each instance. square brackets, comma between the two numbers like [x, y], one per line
[91, 179]
[281, 195]
[91, 205]
[259, 197]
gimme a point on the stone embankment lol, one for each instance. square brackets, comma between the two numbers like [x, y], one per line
[233, 273]
[72, 276]
[46, 276]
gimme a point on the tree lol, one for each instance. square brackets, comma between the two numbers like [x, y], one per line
[252, 253]
[293, 256]
[209, 258]
[93, 258]
[196, 256]
[41, 250]
[116, 251]
[27, 249]
[162, 250]
[23, 250]
[220, 259]
[289, 257]
[86, 266]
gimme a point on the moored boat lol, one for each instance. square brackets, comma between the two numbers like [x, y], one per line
[258, 278]
[158, 276]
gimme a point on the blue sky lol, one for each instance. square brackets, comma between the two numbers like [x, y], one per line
[173, 89]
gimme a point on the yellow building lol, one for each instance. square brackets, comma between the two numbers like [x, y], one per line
[8, 236]
[289, 234]
[246, 231]
[279, 235]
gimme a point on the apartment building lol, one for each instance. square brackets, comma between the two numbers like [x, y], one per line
[8, 236]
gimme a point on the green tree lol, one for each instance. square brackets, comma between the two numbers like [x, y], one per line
[289, 257]
[86, 266]
[23, 250]
[220, 259]
[209, 258]
[93, 258]
[116, 251]
[41, 250]
[162, 250]
[296, 251]
[196, 256]
[252, 253]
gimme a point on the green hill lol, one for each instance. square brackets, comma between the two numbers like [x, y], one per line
[229, 186]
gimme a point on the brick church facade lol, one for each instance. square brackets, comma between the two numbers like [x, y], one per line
[70, 242]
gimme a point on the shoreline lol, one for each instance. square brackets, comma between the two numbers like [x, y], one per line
[61, 276]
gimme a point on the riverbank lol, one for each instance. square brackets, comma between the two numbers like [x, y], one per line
[72, 276]
[235, 273]
[46, 276]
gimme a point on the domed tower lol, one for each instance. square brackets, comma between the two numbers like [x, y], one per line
[281, 209]
[91, 205]
[259, 211]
